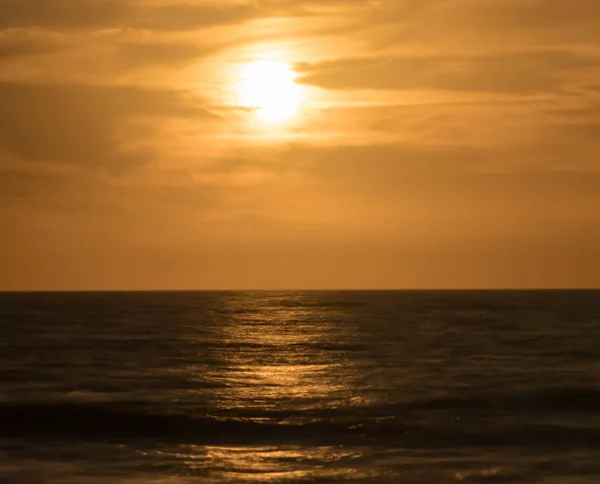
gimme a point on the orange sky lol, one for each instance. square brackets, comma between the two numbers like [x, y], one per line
[440, 144]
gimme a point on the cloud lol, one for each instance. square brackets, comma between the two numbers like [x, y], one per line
[161, 16]
[21, 185]
[191, 16]
[463, 26]
[493, 23]
[19, 44]
[527, 13]
[507, 73]
[434, 179]
[141, 54]
[73, 14]
[485, 14]
[475, 169]
[389, 158]
[62, 14]
[82, 124]
[578, 132]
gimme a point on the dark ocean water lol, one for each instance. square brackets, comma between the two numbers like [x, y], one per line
[402, 387]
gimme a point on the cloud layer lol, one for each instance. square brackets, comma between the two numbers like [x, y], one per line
[448, 143]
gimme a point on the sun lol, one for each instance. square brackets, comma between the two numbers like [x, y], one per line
[269, 87]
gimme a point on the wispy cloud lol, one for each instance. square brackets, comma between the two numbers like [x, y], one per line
[166, 54]
[81, 124]
[77, 14]
[506, 73]
[15, 44]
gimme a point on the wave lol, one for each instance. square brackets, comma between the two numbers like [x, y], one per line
[543, 399]
[419, 424]
[134, 420]
[577, 400]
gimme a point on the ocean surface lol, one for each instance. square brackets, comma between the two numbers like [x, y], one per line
[293, 387]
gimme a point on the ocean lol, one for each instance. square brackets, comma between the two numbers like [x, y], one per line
[402, 387]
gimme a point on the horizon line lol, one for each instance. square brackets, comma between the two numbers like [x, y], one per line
[465, 289]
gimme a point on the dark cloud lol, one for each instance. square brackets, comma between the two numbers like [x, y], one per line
[190, 16]
[578, 132]
[69, 14]
[80, 124]
[526, 14]
[388, 158]
[387, 24]
[178, 15]
[16, 45]
[509, 73]
[487, 14]
[155, 53]
[62, 14]
[469, 174]
[17, 185]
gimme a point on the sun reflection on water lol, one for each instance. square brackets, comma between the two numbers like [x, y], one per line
[280, 358]
[274, 358]
[271, 463]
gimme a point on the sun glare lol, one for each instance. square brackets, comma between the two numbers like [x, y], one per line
[268, 87]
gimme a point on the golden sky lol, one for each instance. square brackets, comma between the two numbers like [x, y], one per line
[204, 144]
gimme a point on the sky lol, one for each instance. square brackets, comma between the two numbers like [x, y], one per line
[438, 144]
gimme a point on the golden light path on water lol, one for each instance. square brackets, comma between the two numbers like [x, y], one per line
[278, 360]
[281, 358]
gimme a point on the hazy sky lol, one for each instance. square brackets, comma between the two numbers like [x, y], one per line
[441, 143]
